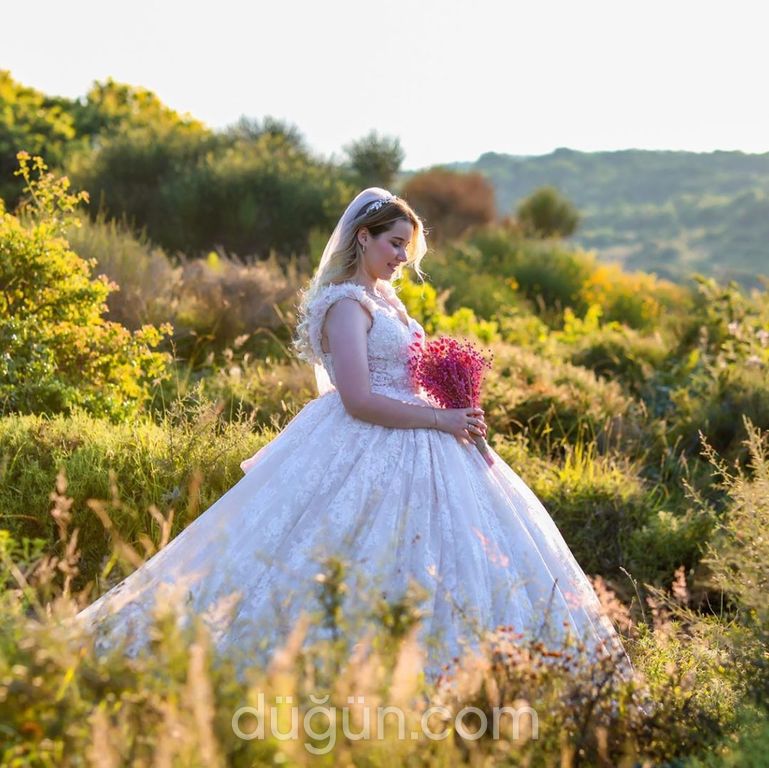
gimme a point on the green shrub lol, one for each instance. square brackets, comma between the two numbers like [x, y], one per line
[58, 351]
[524, 328]
[667, 540]
[746, 746]
[552, 276]
[598, 503]
[620, 354]
[737, 554]
[151, 465]
[194, 191]
[714, 403]
[555, 403]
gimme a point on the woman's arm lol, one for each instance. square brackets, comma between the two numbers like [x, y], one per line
[347, 324]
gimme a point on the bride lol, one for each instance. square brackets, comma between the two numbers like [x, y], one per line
[370, 471]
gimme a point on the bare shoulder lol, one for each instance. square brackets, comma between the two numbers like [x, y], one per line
[344, 315]
[347, 310]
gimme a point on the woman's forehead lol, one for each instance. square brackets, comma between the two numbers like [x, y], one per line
[402, 228]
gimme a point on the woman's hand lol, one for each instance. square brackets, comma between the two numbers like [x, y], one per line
[463, 423]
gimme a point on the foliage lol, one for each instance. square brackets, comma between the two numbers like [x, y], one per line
[146, 278]
[598, 503]
[194, 193]
[156, 461]
[375, 160]
[720, 368]
[738, 554]
[424, 304]
[637, 300]
[59, 352]
[555, 404]
[613, 351]
[545, 213]
[450, 203]
[110, 108]
[31, 122]
[460, 272]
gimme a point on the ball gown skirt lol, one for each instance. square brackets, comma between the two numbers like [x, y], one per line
[392, 503]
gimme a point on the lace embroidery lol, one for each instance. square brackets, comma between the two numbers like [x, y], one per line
[388, 339]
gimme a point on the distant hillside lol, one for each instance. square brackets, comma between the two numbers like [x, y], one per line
[666, 212]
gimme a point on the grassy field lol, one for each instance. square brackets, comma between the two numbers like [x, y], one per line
[636, 409]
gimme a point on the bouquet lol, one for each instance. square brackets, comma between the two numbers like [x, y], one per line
[451, 371]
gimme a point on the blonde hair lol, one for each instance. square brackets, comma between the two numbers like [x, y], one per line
[343, 253]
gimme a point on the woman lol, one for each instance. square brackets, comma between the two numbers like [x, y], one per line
[370, 471]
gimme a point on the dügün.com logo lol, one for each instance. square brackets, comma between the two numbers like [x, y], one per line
[319, 722]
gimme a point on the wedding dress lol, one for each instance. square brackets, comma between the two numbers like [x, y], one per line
[395, 504]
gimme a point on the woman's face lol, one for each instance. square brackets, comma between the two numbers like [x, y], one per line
[385, 252]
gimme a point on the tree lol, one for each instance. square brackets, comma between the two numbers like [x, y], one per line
[545, 213]
[451, 203]
[375, 160]
[250, 130]
[111, 108]
[33, 122]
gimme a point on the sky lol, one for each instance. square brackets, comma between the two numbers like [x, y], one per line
[451, 79]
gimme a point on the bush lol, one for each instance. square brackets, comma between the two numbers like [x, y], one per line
[195, 192]
[525, 329]
[221, 302]
[667, 540]
[738, 555]
[59, 352]
[451, 202]
[620, 354]
[142, 273]
[553, 277]
[152, 464]
[636, 300]
[598, 503]
[713, 405]
[546, 213]
[555, 403]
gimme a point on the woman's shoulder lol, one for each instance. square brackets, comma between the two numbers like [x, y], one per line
[327, 295]
[331, 292]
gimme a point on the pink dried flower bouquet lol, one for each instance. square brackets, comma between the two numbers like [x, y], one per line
[451, 371]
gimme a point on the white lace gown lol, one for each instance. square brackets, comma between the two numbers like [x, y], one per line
[394, 504]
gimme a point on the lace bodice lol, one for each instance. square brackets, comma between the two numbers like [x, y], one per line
[388, 337]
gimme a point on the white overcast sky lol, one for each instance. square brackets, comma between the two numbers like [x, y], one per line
[450, 78]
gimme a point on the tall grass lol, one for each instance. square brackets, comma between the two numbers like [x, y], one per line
[63, 703]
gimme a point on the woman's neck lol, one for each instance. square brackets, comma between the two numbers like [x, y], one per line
[375, 286]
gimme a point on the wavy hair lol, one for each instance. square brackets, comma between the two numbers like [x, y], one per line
[343, 253]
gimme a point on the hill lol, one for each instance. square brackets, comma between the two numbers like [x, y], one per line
[667, 212]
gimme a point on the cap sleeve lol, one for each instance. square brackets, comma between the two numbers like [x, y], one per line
[323, 301]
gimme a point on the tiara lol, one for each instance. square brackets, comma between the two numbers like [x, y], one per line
[377, 204]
